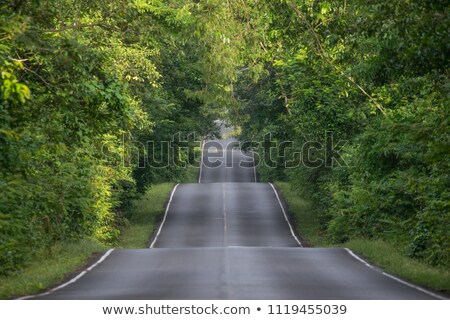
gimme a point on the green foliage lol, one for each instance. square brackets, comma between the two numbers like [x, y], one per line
[398, 186]
[83, 86]
[373, 74]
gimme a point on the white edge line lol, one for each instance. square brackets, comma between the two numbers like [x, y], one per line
[225, 219]
[354, 255]
[165, 216]
[285, 215]
[201, 163]
[254, 165]
[73, 280]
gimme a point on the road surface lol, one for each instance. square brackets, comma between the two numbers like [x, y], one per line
[228, 237]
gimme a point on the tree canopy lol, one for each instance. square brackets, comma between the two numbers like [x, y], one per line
[86, 84]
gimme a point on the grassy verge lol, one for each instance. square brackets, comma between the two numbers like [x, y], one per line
[191, 175]
[306, 222]
[379, 253]
[144, 215]
[51, 268]
[47, 269]
[148, 209]
[391, 259]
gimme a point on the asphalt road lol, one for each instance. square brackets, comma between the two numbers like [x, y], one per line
[228, 238]
[225, 214]
[223, 161]
[234, 273]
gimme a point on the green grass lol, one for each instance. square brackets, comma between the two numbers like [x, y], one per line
[48, 269]
[148, 209]
[144, 216]
[391, 260]
[380, 253]
[51, 268]
[191, 175]
[306, 222]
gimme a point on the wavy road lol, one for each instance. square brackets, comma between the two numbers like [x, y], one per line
[228, 237]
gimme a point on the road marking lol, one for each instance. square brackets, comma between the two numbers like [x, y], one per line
[354, 255]
[201, 163]
[165, 216]
[73, 280]
[254, 165]
[285, 216]
[225, 220]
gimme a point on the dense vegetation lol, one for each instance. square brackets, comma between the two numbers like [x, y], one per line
[85, 84]
[373, 74]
